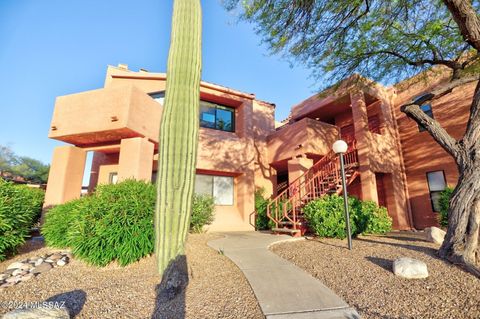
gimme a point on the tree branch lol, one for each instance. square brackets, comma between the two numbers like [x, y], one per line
[413, 111]
[467, 20]
[448, 63]
[433, 127]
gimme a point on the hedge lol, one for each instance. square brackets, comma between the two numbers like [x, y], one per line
[114, 223]
[326, 217]
[20, 209]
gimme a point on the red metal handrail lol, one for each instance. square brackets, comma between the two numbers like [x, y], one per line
[317, 181]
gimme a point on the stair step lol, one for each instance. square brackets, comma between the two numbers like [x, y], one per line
[289, 223]
[286, 230]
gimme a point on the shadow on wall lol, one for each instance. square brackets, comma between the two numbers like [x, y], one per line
[170, 293]
[72, 300]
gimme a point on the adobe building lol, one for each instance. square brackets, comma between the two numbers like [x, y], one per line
[242, 148]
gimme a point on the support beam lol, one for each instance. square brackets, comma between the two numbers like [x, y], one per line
[363, 137]
[136, 159]
[66, 175]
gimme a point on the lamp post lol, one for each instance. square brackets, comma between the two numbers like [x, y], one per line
[340, 147]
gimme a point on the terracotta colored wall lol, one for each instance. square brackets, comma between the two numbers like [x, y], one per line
[306, 136]
[112, 113]
[421, 153]
[263, 126]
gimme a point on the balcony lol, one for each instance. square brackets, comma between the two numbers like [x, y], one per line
[104, 116]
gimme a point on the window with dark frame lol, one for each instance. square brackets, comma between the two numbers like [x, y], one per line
[212, 115]
[436, 184]
[216, 116]
[159, 97]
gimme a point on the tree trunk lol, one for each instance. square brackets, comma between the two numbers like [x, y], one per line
[178, 134]
[461, 241]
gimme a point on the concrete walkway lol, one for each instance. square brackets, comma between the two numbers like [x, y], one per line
[282, 289]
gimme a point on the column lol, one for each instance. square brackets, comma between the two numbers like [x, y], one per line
[136, 159]
[363, 136]
[66, 175]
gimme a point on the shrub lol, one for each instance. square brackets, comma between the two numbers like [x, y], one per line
[445, 197]
[325, 216]
[371, 218]
[262, 222]
[58, 222]
[20, 208]
[114, 223]
[203, 207]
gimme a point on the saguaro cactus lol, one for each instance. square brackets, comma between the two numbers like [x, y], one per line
[178, 133]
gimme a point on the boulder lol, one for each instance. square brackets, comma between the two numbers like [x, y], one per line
[410, 268]
[15, 265]
[435, 235]
[4, 276]
[44, 267]
[37, 313]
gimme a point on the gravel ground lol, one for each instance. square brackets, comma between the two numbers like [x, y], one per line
[216, 289]
[363, 277]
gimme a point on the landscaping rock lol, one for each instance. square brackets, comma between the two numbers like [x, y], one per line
[38, 313]
[61, 263]
[9, 272]
[27, 277]
[3, 276]
[12, 279]
[55, 256]
[44, 267]
[17, 272]
[15, 265]
[410, 268]
[38, 261]
[435, 235]
[7, 284]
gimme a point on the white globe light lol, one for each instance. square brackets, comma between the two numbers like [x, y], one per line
[340, 146]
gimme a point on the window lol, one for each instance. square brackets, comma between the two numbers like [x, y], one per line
[159, 97]
[220, 187]
[113, 178]
[217, 116]
[436, 184]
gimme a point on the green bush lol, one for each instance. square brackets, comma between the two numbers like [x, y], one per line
[445, 197]
[203, 207]
[326, 217]
[20, 208]
[371, 218]
[114, 223]
[262, 222]
[58, 222]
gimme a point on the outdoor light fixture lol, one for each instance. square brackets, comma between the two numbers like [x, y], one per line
[340, 147]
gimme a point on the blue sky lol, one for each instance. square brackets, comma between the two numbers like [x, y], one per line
[50, 48]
